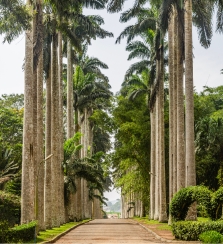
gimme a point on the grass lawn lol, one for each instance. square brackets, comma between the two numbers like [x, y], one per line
[145, 220]
[48, 235]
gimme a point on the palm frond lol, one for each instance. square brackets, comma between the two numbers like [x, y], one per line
[15, 18]
[136, 93]
[202, 19]
[219, 27]
[115, 5]
[138, 49]
[137, 68]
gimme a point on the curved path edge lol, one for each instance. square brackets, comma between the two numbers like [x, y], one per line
[155, 234]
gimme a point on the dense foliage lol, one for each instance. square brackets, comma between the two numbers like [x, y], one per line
[190, 230]
[11, 116]
[10, 208]
[211, 236]
[209, 136]
[19, 234]
[183, 199]
[132, 142]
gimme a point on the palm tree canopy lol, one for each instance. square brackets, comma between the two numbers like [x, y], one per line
[15, 18]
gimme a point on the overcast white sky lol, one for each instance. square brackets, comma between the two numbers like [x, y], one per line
[207, 63]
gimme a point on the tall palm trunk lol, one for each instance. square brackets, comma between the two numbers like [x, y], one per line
[38, 117]
[152, 164]
[157, 169]
[174, 101]
[163, 207]
[189, 97]
[171, 101]
[28, 188]
[180, 110]
[189, 104]
[60, 122]
[40, 143]
[55, 164]
[48, 176]
[70, 112]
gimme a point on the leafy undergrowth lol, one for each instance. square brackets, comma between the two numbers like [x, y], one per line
[48, 235]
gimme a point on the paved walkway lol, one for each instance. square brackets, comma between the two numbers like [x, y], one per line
[109, 231]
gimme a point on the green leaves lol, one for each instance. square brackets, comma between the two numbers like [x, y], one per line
[202, 19]
[14, 19]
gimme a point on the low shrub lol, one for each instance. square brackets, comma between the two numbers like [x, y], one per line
[183, 199]
[190, 230]
[3, 231]
[215, 211]
[19, 234]
[10, 208]
[211, 236]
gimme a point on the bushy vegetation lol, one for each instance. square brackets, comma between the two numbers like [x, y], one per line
[211, 236]
[190, 230]
[10, 208]
[19, 234]
[210, 202]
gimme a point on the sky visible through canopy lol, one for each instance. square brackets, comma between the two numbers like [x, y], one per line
[207, 63]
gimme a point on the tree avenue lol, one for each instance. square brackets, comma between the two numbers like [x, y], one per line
[166, 135]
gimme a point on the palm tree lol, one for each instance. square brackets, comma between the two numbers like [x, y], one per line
[189, 98]
[27, 213]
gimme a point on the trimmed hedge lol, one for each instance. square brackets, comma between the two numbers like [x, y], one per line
[211, 236]
[206, 199]
[10, 208]
[215, 211]
[19, 234]
[185, 197]
[190, 230]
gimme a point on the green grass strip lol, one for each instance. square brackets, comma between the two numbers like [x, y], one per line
[48, 235]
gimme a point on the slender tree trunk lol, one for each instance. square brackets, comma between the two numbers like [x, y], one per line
[48, 176]
[157, 169]
[180, 111]
[40, 144]
[171, 112]
[55, 165]
[28, 187]
[70, 92]
[189, 95]
[61, 132]
[171, 53]
[174, 102]
[163, 207]
[189, 104]
[152, 165]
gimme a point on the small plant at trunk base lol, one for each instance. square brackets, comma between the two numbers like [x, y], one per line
[211, 236]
